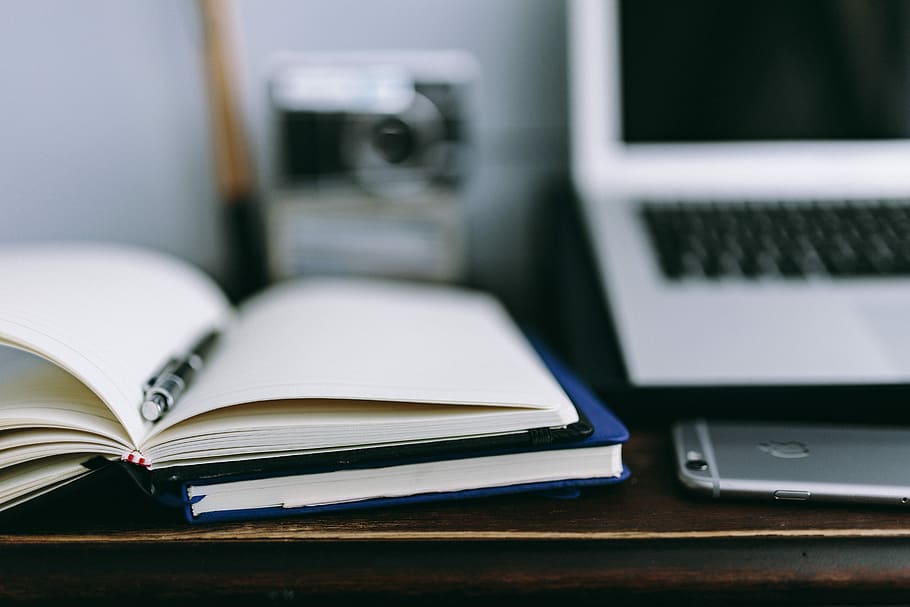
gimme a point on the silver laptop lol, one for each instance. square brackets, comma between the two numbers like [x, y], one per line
[744, 172]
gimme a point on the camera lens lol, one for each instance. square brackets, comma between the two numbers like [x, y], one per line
[396, 156]
[394, 140]
[699, 465]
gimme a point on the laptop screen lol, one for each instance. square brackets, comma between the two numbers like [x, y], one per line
[715, 70]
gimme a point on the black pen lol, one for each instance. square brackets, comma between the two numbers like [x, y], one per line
[163, 389]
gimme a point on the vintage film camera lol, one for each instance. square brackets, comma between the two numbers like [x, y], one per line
[372, 150]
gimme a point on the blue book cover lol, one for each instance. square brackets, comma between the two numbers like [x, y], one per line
[602, 429]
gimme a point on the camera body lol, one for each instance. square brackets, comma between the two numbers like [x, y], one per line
[372, 150]
[392, 125]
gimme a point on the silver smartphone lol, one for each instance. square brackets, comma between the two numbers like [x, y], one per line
[794, 462]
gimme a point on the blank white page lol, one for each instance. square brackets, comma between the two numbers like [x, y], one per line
[38, 394]
[108, 314]
[373, 340]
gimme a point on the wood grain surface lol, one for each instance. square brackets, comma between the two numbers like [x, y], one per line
[645, 538]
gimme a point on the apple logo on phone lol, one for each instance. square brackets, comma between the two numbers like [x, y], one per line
[785, 449]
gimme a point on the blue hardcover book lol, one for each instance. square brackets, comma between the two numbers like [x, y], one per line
[587, 454]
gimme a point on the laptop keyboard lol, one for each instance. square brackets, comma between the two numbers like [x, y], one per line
[781, 239]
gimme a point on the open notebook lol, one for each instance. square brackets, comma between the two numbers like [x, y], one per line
[303, 370]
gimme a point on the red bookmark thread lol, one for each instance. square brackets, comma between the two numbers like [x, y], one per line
[136, 458]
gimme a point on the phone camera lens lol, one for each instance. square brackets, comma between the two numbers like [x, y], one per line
[699, 465]
[695, 460]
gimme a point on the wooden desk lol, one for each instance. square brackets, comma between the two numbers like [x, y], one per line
[643, 539]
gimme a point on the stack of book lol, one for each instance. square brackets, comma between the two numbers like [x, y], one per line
[314, 395]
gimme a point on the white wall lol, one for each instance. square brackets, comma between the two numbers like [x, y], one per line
[103, 132]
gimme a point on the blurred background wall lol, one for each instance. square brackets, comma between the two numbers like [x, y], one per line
[103, 131]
